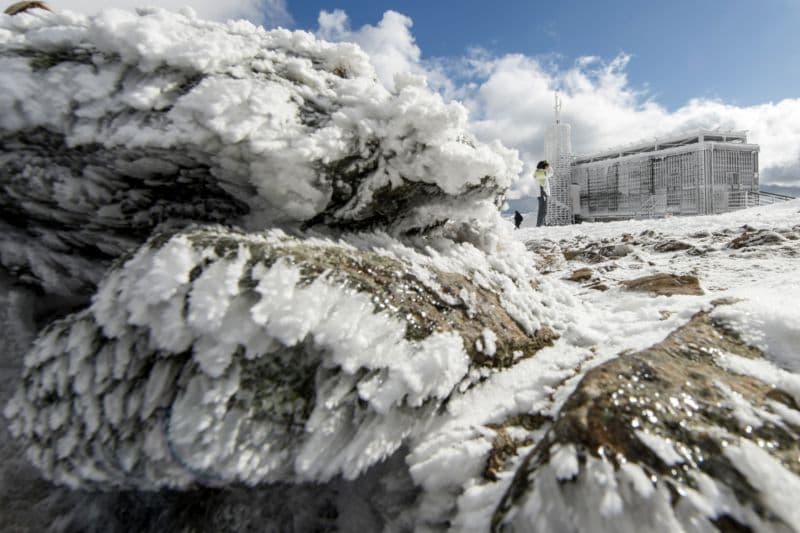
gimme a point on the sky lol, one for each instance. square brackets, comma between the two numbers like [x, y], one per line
[626, 70]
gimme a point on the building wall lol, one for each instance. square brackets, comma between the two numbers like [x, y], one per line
[699, 178]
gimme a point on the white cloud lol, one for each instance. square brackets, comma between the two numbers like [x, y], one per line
[268, 12]
[390, 44]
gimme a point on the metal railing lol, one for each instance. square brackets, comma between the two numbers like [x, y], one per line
[754, 199]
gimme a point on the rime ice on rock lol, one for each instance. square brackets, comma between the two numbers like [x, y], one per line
[158, 120]
[661, 445]
[216, 356]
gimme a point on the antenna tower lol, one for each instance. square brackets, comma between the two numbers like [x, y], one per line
[558, 151]
[557, 108]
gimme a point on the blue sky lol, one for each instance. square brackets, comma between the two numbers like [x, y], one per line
[743, 52]
[626, 70]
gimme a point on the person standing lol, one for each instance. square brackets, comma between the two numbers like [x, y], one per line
[542, 175]
[517, 219]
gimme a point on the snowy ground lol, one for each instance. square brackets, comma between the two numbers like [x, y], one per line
[750, 256]
[762, 273]
[598, 325]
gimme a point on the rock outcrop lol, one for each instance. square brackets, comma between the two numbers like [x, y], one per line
[681, 436]
[665, 284]
[155, 121]
[214, 356]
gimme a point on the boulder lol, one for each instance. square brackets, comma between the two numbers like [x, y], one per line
[672, 246]
[756, 238]
[680, 436]
[582, 274]
[597, 252]
[616, 251]
[587, 255]
[216, 357]
[154, 120]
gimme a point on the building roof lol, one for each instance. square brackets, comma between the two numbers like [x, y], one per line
[654, 145]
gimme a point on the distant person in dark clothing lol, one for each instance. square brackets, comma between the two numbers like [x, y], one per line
[542, 175]
[517, 219]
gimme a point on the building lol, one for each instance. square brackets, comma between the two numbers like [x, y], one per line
[702, 172]
[697, 173]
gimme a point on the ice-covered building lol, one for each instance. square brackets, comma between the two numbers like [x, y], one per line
[695, 173]
[701, 172]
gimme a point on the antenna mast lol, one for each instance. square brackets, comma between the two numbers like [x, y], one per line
[558, 108]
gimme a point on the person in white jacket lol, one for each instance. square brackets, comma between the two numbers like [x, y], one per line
[542, 176]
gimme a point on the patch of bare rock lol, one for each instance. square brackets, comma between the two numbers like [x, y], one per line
[672, 245]
[597, 253]
[756, 238]
[580, 275]
[665, 284]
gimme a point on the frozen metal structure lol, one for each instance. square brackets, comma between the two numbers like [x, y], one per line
[558, 152]
[703, 172]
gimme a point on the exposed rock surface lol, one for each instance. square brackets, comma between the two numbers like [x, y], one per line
[672, 246]
[657, 439]
[582, 274]
[598, 252]
[756, 238]
[665, 284]
[598, 286]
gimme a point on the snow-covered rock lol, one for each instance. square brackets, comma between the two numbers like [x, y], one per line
[215, 356]
[116, 125]
[679, 437]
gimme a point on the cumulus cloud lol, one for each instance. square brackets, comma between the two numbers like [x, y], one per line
[510, 98]
[390, 44]
[270, 13]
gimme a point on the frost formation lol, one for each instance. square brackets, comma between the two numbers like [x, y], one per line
[249, 277]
